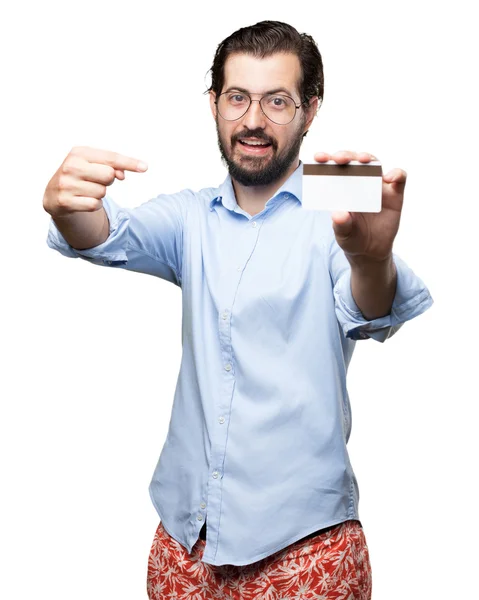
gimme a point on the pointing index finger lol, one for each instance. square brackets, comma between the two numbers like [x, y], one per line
[125, 163]
[112, 159]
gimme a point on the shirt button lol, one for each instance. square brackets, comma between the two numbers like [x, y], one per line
[228, 367]
[221, 420]
[239, 268]
[225, 315]
[203, 505]
[200, 517]
[255, 224]
[215, 474]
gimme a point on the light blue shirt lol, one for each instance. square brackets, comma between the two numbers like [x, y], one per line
[261, 413]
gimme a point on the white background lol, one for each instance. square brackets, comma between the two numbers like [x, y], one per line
[91, 354]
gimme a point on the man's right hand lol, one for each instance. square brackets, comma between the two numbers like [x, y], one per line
[81, 181]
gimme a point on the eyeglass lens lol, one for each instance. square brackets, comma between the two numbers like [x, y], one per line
[280, 109]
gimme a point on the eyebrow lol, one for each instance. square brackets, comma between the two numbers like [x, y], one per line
[275, 91]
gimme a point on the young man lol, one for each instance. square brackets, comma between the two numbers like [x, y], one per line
[274, 299]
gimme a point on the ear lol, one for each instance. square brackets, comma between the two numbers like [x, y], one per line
[311, 110]
[212, 104]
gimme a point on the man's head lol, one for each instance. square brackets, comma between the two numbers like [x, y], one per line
[267, 58]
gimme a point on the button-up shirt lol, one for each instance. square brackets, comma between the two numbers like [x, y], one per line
[261, 412]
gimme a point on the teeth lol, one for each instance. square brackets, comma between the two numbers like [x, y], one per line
[254, 143]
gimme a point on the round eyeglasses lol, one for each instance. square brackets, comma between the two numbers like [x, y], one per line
[279, 109]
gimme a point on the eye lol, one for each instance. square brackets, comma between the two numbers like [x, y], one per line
[236, 98]
[277, 102]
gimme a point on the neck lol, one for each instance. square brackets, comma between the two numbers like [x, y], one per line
[252, 199]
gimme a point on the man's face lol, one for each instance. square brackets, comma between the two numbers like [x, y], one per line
[256, 165]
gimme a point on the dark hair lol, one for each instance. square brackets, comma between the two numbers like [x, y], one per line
[267, 38]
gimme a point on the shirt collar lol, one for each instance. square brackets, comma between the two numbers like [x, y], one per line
[293, 186]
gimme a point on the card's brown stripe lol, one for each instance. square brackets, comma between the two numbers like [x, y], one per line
[343, 170]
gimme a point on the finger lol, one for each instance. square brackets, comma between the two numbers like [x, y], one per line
[397, 176]
[322, 157]
[112, 159]
[84, 204]
[344, 156]
[342, 223]
[340, 217]
[365, 157]
[83, 170]
[90, 189]
[119, 174]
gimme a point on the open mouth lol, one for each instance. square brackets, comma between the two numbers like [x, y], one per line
[255, 146]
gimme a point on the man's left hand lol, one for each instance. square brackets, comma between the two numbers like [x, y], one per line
[369, 237]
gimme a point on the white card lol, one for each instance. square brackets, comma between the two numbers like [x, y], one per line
[354, 187]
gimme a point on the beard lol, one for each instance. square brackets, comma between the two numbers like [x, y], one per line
[260, 170]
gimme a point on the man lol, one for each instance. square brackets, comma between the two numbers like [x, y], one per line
[274, 299]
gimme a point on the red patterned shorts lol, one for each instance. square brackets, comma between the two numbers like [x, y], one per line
[332, 565]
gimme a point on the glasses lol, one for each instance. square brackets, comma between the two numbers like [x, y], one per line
[278, 108]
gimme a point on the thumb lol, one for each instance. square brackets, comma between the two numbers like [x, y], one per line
[342, 224]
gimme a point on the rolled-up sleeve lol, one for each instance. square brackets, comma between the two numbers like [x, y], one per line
[412, 298]
[147, 238]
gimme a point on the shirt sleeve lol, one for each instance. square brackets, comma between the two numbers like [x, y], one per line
[412, 298]
[147, 239]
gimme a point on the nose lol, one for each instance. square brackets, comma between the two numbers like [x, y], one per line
[255, 117]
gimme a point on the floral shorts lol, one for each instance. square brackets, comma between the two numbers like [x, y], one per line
[332, 565]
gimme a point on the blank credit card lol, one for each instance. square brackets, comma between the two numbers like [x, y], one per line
[354, 187]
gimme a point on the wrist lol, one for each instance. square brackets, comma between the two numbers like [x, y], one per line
[376, 273]
[367, 264]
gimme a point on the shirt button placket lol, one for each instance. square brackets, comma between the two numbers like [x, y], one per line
[225, 395]
[223, 408]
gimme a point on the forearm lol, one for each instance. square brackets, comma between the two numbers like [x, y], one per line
[84, 230]
[373, 286]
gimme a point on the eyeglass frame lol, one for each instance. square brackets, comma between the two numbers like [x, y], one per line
[251, 100]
